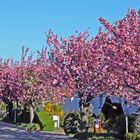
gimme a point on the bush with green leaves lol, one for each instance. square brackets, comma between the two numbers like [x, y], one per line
[93, 136]
[118, 125]
[30, 126]
[136, 126]
[72, 123]
[91, 120]
[132, 136]
[109, 124]
[45, 121]
[101, 117]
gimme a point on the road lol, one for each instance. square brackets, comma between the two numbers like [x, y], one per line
[11, 132]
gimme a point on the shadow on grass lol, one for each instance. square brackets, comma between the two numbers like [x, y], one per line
[96, 136]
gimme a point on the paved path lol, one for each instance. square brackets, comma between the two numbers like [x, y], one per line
[10, 132]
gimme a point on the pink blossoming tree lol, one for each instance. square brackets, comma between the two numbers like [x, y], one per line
[78, 65]
[121, 44]
[10, 86]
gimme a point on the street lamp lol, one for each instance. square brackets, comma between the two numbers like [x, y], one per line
[113, 106]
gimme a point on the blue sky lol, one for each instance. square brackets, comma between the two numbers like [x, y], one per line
[24, 22]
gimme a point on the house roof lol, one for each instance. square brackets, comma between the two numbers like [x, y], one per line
[98, 102]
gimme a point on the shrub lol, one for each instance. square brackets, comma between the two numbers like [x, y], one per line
[136, 126]
[91, 120]
[25, 117]
[9, 118]
[31, 126]
[53, 109]
[39, 108]
[118, 125]
[101, 117]
[83, 135]
[109, 124]
[93, 136]
[45, 121]
[132, 136]
[61, 121]
[72, 123]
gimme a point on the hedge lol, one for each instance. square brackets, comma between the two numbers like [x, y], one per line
[132, 136]
[45, 121]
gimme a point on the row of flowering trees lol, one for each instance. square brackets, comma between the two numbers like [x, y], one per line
[108, 63]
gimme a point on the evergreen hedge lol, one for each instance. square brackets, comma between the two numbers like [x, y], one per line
[45, 121]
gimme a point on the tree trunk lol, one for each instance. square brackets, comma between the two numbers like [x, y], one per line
[16, 112]
[84, 114]
[31, 113]
[10, 108]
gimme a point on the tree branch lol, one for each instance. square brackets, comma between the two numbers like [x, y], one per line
[131, 87]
